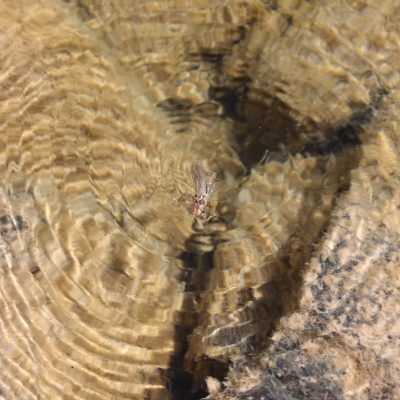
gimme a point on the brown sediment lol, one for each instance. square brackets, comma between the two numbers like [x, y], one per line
[106, 289]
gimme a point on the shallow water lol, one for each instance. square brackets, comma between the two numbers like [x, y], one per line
[109, 288]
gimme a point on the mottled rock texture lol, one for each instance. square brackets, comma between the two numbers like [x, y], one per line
[108, 290]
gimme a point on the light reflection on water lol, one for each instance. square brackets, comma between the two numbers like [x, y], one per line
[107, 286]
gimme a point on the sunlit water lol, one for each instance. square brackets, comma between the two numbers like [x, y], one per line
[109, 287]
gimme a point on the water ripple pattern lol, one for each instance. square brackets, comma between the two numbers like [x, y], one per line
[108, 287]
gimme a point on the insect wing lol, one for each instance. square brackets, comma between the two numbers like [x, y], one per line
[199, 179]
[210, 184]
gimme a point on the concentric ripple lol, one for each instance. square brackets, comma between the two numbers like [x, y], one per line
[107, 288]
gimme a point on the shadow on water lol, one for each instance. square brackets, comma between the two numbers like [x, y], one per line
[196, 266]
[263, 130]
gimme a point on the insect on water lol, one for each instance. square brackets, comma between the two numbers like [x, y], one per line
[204, 184]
